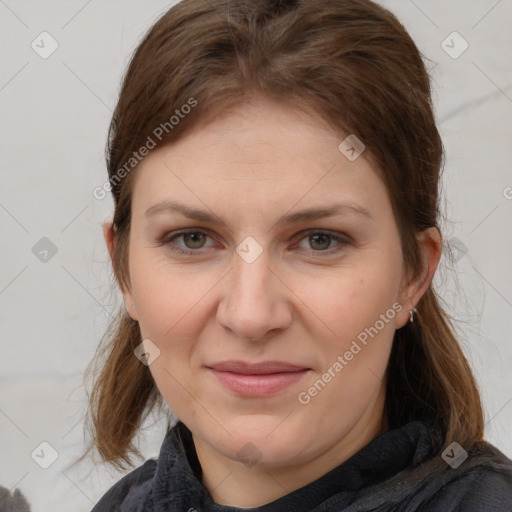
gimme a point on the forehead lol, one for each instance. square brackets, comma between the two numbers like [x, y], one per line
[264, 154]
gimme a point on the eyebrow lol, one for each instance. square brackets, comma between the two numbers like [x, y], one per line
[171, 207]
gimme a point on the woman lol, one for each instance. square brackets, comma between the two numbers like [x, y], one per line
[275, 170]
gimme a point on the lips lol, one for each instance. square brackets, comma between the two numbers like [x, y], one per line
[257, 379]
[263, 368]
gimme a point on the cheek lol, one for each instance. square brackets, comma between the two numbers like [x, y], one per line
[359, 307]
[170, 303]
[353, 299]
[166, 296]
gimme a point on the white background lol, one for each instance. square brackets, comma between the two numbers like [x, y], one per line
[55, 114]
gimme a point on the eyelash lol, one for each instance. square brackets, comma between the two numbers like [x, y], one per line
[168, 239]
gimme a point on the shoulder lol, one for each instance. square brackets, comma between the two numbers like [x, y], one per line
[130, 486]
[482, 483]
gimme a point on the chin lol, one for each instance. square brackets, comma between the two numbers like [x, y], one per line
[261, 439]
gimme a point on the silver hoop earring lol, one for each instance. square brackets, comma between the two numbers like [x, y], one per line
[412, 313]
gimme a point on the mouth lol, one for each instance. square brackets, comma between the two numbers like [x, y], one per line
[257, 379]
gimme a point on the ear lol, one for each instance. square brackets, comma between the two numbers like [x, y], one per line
[430, 246]
[110, 240]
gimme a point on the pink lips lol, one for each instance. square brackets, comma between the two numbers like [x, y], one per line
[257, 380]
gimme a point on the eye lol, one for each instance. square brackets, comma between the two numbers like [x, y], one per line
[319, 241]
[193, 240]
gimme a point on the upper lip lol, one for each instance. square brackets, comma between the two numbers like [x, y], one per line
[265, 367]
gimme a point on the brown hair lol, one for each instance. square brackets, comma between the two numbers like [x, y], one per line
[350, 62]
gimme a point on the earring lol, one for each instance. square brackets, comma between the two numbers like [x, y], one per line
[412, 312]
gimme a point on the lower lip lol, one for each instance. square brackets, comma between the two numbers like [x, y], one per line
[258, 385]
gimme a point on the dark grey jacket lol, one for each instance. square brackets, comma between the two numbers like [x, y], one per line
[396, 472]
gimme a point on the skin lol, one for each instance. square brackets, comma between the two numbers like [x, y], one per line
[294, 303]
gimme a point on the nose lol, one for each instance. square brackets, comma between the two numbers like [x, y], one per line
[255, 303]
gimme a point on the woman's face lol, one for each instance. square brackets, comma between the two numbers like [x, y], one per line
[273, 328]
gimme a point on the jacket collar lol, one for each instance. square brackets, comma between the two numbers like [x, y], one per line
[177, 481]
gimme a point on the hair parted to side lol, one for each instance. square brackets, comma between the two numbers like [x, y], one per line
[350, 62]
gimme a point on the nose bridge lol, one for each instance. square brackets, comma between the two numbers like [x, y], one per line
[250, 306]
[250, 284]
[251, 272]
